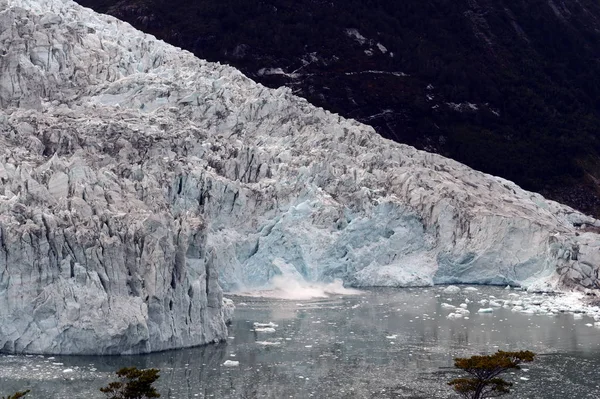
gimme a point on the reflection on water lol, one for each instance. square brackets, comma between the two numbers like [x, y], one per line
[379, 344]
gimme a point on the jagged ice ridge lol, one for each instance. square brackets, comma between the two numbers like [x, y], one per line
[132, 174]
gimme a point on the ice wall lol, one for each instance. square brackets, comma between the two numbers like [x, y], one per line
[132, 173]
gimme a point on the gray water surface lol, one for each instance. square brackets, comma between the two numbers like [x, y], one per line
[384, 343]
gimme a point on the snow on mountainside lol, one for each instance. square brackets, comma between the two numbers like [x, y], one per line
[132, 173]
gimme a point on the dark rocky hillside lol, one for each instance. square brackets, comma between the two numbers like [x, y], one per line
[509, 87]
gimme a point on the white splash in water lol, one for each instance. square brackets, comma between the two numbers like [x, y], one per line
[291, 288]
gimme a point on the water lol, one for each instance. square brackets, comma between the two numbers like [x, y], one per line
[378, 344]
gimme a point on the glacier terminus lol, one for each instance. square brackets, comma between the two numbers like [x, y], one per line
[137, 182]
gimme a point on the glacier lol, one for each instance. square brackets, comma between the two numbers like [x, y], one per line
[137, 182]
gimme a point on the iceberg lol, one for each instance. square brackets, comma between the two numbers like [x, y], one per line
[138, 181]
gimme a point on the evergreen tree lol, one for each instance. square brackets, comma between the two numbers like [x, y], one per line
[484, 371]
[17, 395]
[134, 384]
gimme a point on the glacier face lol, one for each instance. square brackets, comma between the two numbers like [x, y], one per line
[137, 180]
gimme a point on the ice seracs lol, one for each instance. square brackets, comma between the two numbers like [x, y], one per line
[137, 181]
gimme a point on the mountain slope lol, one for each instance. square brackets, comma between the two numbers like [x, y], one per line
[133, 173]
[507, 87]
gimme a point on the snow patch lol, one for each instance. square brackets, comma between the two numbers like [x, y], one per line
[355, 34]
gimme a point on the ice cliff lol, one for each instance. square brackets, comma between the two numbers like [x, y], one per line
[132, 174]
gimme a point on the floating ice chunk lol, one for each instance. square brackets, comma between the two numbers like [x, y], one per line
[265, 329]
[392, 336]
[597, 324]
[231, 363]
[462, 311]
[228, 309]
[452, 316]
[578, 316]
[589, 324]
[463, 305]
[268, 343]
[524, 379]
[68, 370]
[528, 311]
[517, 308]
[269, 324]
[470, 289]
[495, 304]
[451, 289]
[485, 310]
[508, 287]
[483, 302]
[448, 306]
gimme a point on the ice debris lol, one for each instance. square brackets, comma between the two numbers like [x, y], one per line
[265, 329]
[231, 363]
[451, 289]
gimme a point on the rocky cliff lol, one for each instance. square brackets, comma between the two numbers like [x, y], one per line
[133, 173]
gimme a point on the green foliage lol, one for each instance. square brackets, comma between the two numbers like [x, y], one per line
[17, 395]
[134, 384]
[484, 371]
